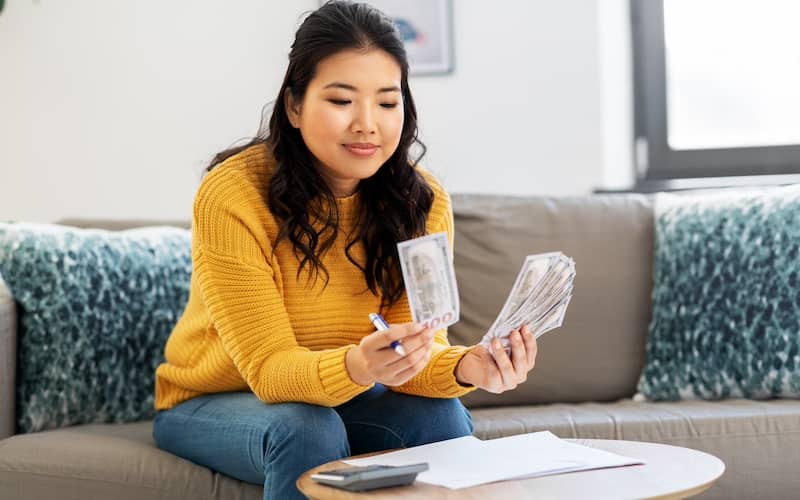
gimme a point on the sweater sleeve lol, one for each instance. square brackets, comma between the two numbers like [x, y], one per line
[231, 256]
[437, 379]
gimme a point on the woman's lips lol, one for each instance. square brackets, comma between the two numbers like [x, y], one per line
[361, 150]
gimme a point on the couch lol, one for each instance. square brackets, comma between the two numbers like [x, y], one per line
[584, 384]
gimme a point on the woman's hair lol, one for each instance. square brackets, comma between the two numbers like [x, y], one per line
[395, 202]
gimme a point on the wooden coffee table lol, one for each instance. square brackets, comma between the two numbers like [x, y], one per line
[670, 472]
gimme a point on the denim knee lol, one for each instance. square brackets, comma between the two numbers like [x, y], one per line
[303, 436]
[441, 419]
[308, 432]
[240, 436]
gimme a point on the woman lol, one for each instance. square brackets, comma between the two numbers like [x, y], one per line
[274, 367]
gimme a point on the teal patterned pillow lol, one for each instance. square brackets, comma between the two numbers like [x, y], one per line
[96, 308]
[726, 297]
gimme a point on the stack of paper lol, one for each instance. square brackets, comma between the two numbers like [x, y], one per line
[467, 461]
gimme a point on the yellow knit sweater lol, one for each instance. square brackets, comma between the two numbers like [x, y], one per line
[251, 324]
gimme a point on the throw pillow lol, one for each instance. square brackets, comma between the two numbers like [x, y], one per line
[96, 308]
[726, 297]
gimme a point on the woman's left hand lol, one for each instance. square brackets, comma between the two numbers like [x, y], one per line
[498, 372]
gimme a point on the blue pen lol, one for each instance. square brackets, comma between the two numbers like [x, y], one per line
[380, 324]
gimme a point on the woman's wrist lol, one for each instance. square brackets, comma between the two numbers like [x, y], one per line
[460, 375]
[356, 367]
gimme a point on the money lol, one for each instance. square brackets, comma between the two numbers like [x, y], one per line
[539, 298]
[430, 280]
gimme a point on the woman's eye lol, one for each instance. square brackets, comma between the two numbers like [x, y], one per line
[345, 102]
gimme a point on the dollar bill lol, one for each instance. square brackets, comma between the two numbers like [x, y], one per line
[539, 297]
[533, 270]
[430, 280]
[553, 291]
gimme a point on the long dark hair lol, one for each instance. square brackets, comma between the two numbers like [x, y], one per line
[395, 202]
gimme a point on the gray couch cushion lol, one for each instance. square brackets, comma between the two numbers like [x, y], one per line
[759, 441]
[118, 461]
[598, 353]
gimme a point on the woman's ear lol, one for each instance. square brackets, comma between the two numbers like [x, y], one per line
[292, 108]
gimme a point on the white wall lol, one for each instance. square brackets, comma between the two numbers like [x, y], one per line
[111, 108]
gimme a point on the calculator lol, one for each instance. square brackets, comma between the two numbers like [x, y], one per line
[370, 477]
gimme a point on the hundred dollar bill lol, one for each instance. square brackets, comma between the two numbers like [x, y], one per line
[553, 289]
[532, 296]
[539, 297]
[533, 270]
[430, 280]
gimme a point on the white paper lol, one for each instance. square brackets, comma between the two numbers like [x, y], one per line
[467, 461]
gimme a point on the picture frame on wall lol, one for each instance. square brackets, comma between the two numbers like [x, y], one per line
[426, 27]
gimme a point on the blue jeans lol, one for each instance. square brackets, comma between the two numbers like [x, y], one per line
[273, 444]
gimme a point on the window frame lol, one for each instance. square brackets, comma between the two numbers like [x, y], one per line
[654, 160]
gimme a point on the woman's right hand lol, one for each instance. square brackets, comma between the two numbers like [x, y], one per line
[374, 361]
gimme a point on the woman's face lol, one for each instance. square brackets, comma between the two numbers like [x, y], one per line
[351, 116]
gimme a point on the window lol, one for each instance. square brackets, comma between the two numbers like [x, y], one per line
[716, 88]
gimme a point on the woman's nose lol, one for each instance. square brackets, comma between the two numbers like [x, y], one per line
[363, 121]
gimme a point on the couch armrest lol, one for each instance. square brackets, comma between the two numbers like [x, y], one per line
[8, 361]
